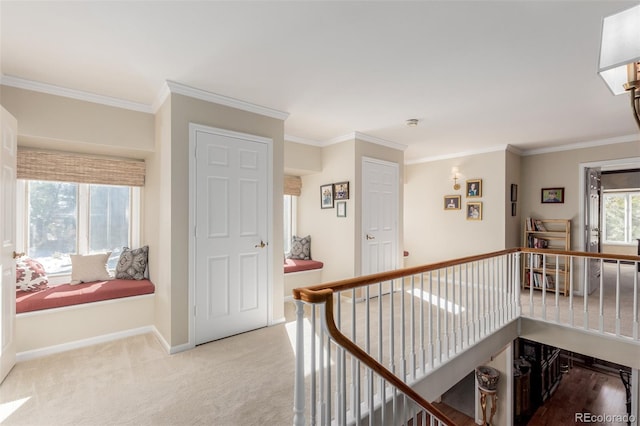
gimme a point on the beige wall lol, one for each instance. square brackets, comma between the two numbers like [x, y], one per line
[55, 122]
[157, 217]
[334, 240]
[185, 110]
[332, 237]
[513, 168]
[562, 169]
[301, 159]
[433, 234]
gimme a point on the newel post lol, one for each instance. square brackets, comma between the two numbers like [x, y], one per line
[298, 390]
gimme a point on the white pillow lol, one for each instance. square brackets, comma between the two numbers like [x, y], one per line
[91, 267]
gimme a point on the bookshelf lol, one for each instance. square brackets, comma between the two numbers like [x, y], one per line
[549, 272]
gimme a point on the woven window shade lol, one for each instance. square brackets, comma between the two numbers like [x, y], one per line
[71, 167]
[292, 185]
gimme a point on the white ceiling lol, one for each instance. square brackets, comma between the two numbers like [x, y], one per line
[478, 74]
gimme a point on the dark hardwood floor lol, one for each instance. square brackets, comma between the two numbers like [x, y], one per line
[583, 390]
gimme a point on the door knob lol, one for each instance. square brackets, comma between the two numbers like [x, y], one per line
[370, 237]
[261, 245]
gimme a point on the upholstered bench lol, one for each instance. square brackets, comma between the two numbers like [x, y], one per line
[68, 295]
[301, 273]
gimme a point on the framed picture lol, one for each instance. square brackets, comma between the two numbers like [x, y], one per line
[514, 192]
[552, 195]
[474, 188]
[474, 211]
[341, 208]
[326, 196]
[341, 191]
[452, 202]
[513, 209]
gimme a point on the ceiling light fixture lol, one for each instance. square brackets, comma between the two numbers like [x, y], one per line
[620, 55]
[412, 122]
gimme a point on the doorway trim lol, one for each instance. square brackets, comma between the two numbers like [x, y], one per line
[193, 129]
[604, 165]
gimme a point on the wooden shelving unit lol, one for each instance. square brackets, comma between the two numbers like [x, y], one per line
[547, 271]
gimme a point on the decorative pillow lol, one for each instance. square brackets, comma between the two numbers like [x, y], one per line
[30, 275]
[300, 248]
[88, 268]
[133, 264]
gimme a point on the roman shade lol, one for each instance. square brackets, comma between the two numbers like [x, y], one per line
[292, 185]
[80, 168]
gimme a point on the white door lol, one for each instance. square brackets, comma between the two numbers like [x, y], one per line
[232, 226]
[9, 128]
[380, 198]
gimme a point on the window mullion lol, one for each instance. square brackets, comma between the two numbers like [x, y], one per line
[83, 218]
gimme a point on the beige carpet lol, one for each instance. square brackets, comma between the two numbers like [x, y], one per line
[242, 380]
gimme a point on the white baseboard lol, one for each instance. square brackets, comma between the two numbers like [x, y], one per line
[63, 347]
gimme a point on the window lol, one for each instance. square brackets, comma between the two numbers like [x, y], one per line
[60, 218]
[290, 203]
[621, 212]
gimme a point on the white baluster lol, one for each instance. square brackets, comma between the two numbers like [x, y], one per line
[571, 308]
[299, 393]
[585, 293]
[557, 280]
[438, 330]
[445, 312]
[635, 301]
[423, 358]
[430, 347]
[601, 300]
[618, 314]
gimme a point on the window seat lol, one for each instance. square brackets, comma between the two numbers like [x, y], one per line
[67, 295]
[298, 265]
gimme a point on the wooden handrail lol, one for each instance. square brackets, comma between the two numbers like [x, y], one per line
[326, 296]
[308, 295]
[323, 293]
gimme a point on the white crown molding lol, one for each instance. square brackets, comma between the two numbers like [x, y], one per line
[162, 96]
[50, 89]
[182, 89]
[296, 139]
[460, 154]
[580, 145]
[366, 138]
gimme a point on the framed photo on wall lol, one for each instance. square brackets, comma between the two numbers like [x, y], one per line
[552, 195]
[514, 192]
[474, 211]
[341, 208]
[341, 191]
[326, 196]
[452, 202]
[474, 188]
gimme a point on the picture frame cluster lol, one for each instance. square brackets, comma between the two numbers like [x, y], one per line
[473, 209]
[332, 195]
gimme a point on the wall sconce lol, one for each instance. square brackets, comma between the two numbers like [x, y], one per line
[620, 55]
[456, 185]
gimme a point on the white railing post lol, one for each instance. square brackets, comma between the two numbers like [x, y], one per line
[299, 396]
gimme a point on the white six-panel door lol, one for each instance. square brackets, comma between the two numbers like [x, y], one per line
[231, 235]
[8, 147]
[380, 197]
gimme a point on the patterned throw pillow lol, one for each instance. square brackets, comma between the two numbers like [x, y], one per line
[30, 275]
[132, 264]
[300, 248]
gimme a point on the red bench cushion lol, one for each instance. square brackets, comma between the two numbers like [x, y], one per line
[298, 265]
[67, 295]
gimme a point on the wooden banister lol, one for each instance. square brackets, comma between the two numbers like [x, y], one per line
[326, 296]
